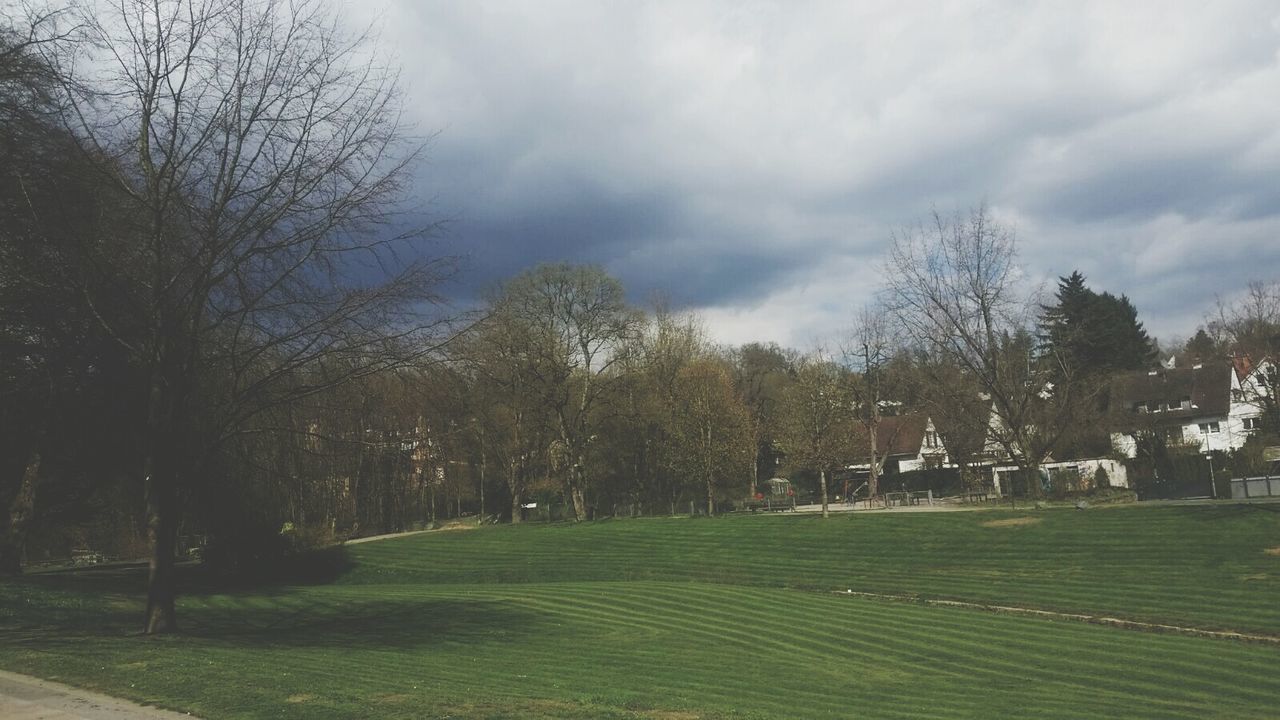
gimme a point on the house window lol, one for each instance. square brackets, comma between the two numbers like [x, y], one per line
[1140, 407]
[1251, 424]
[1209, 428]
[1185, 402]
[930, 439]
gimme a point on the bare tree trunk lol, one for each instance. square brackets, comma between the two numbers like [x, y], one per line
[579, 504]
[482, 469]
[873, 482]
[575, 491]
[13, 539]
[162, 528]
[516, 502]
[710, 474]
[822, 476]
[755, 471]
[711, 496]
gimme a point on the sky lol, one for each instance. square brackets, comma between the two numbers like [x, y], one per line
[751, 160]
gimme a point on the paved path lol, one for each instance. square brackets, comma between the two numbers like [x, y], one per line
[27, 698]
[937, 506]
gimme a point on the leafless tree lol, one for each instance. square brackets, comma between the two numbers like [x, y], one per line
[868, 352]
[1250, 328]
[954, 287]
[263, 153]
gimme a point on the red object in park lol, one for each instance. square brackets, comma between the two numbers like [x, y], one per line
[759, 496]
[791, 493]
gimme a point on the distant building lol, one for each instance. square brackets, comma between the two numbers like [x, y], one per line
[1085, 470]
[1210, 406]
[903, 443]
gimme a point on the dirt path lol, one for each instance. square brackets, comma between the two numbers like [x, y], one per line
[1078, 617]
[388, 536]
[27, 698]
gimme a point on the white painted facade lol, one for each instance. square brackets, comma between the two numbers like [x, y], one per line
[931, 453]
[1216, 432]
[1117, 476]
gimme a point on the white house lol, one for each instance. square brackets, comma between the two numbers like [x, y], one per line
[1212, 406]
[905, 443]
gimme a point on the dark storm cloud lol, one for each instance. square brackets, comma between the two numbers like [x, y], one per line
[750, 160]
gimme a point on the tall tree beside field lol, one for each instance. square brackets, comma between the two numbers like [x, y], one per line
[762, 373]
[817, 425]
[504, 374]
[261, 151]
[579, 327]
[869, 352]
[714, 445]
[670, 345]
[953, 287]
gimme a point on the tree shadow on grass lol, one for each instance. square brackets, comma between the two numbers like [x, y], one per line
[275, 618]
[269, 602]
[315, 567]
[304, 622]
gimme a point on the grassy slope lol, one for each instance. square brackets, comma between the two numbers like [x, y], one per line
[1201, 566]
[526, 622]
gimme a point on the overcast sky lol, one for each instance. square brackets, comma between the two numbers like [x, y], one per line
[750, 160]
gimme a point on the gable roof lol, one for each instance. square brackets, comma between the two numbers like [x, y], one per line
[1243, 365]
[1208, 388]
[898, 435]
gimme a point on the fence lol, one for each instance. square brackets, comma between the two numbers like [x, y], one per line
[1255, 487]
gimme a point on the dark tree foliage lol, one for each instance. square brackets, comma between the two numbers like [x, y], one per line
[61, 376]
[1091, 333]
[1202, 348]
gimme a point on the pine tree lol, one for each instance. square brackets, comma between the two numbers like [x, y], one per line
[1089, 333]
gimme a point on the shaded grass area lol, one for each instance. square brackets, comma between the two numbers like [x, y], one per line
[683, 619]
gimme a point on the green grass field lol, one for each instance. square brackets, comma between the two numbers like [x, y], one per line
[729, 617]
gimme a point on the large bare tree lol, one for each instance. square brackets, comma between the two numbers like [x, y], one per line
[262, 150]
[869, 351]
[955, 288]
[1250, 327]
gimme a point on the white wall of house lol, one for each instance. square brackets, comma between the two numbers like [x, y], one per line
[1218, 432]
[1117, 476]
[1246, 404]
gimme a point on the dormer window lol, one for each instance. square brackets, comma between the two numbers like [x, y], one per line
[1140, 407]
[1185, 402]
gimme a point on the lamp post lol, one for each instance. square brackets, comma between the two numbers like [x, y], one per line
[1213, 481]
